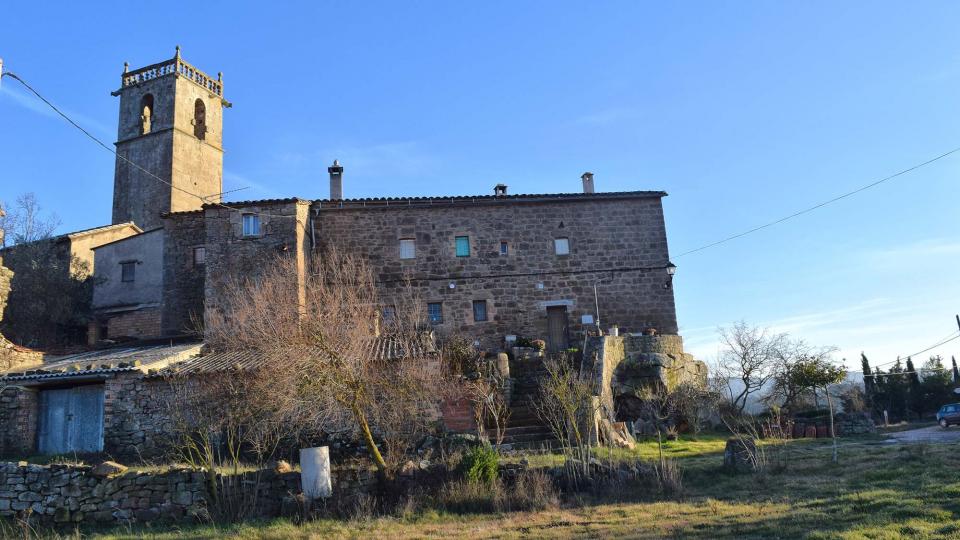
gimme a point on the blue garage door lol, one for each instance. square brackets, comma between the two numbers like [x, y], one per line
[71, 420]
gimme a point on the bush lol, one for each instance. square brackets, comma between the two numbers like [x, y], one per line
[480, 465]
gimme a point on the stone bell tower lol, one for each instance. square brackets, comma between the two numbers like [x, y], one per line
[171, 126]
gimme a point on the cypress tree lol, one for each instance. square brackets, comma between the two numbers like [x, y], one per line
[914, 393]
[869, 384]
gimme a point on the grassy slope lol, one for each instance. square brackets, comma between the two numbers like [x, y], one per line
[876, 491]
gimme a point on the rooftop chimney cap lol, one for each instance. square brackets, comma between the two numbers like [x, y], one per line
[587, 178]
[500, 189]
[336, 181]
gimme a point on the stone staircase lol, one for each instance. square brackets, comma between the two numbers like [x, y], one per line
[525, 430]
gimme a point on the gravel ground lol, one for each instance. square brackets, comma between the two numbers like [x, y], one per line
[928, 434]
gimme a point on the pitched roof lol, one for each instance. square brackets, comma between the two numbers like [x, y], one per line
[522, 197]
[85, 232]
[105, 361]
[380, 348]
[379, 202]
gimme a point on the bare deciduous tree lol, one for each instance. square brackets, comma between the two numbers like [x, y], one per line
[25, 221]
[314, 331]
[747, 363]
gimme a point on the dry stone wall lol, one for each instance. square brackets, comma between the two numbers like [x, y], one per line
[64, 494]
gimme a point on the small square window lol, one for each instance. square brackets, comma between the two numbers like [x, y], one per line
[251, 225]
[408, 248]
[128, 271]
[199, 256]
[435, 312]
[561, 246]
[504, 249]
[463, 246]
[389, 313]
[479, 310]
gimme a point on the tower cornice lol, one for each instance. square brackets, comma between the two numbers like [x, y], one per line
[176, 67]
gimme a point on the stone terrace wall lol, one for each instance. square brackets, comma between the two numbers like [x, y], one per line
[604, 235]
[74, 494]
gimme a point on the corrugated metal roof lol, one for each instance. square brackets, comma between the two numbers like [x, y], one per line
[105, 361]
[381, 348]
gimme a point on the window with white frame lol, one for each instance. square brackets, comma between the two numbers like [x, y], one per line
[504, 248]
[408, 248]
[561, 246]
[199, 256]
[251, 225]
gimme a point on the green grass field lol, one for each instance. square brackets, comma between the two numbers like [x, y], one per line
[876, 491]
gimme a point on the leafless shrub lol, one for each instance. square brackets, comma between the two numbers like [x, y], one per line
[312, 327]
[566, 404]
[488, 395]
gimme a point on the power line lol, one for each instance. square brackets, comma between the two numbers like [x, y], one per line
[954, 335]
[822, 204]
[106, 147]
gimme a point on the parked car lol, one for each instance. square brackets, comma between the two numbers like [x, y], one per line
[948, 414]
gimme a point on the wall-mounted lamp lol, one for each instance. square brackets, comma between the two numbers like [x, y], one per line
[453, 285]
[671, 270]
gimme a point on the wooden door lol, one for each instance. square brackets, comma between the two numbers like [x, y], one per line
[557, 335]
[71, 420]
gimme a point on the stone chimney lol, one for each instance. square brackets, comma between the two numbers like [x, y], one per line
[336, 181]
[500, 189]
[587, 178]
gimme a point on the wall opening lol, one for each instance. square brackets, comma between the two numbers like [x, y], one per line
[146, 113]
[199, 119]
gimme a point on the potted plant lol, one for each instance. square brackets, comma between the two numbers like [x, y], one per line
[539, 345]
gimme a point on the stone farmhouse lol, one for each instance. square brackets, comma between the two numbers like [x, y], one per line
[559, 267]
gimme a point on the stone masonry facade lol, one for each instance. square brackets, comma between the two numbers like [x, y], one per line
[617, 242]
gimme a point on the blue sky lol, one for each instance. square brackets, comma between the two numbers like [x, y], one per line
[742, 111]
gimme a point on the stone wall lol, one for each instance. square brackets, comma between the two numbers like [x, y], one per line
[136, 417]
[617, 244]
[143, 323]
[62, 494]
[183, 279]
[231, 255]
[18, 421]
[625, 367]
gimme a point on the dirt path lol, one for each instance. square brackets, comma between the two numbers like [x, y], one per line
[928, 434]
